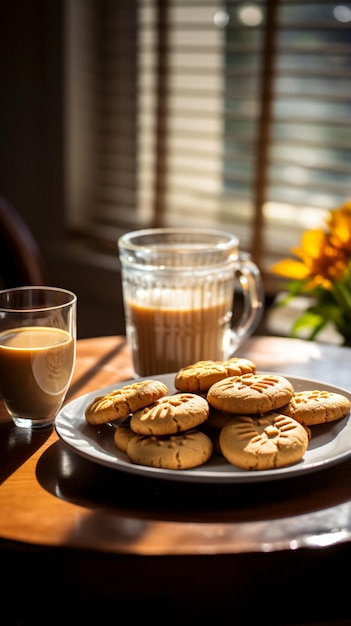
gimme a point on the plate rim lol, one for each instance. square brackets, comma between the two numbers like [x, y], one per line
[203, 473]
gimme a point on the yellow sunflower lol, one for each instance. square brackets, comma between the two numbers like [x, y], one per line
[321, 268]
[339, 222]
[320, 262]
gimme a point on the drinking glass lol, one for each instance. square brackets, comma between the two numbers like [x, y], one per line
[178, 291]
[37, 352]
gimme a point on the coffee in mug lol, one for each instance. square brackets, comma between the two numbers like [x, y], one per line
[178, 290]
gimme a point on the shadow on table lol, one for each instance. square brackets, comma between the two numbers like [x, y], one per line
[17, 445]
[251, 587]
[73, 478]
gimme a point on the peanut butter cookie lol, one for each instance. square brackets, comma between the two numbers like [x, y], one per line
[198, 377]
[170, 415]
[176, 452]
[217, 419]
[123, 434]
[260, 443]
[237, 366]
[121, 402]
[317, 407]
[250, 393]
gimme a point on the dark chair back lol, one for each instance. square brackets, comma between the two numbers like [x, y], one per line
[21, 262]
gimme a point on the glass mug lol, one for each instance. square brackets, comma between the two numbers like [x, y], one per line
[37, 352]
[178, 292]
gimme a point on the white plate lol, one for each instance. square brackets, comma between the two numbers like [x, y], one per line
[330, 443]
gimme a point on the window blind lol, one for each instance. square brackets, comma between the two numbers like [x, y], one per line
[230, 114]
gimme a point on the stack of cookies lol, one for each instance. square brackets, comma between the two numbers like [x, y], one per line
[155, 429]
[243, 423]
[255, 421]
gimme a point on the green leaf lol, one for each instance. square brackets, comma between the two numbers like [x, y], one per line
[310, 320]
[295, 287]
[330, 312]
[342, 294]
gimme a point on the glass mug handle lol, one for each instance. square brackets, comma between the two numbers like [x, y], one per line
[250, 280]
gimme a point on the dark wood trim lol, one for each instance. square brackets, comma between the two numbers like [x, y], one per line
[162, 74]
[264, 126]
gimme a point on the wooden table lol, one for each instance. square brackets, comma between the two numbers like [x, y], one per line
[96, 540]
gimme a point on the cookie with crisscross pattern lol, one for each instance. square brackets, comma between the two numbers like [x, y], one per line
[170, 415]
[263, 442]
[317, 406]
[124, 401]
[198, 377]
[250, 393]
[176, 452]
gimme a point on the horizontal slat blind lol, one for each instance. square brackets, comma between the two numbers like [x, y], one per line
[234, 114]
[310, 151]
[102, 102]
